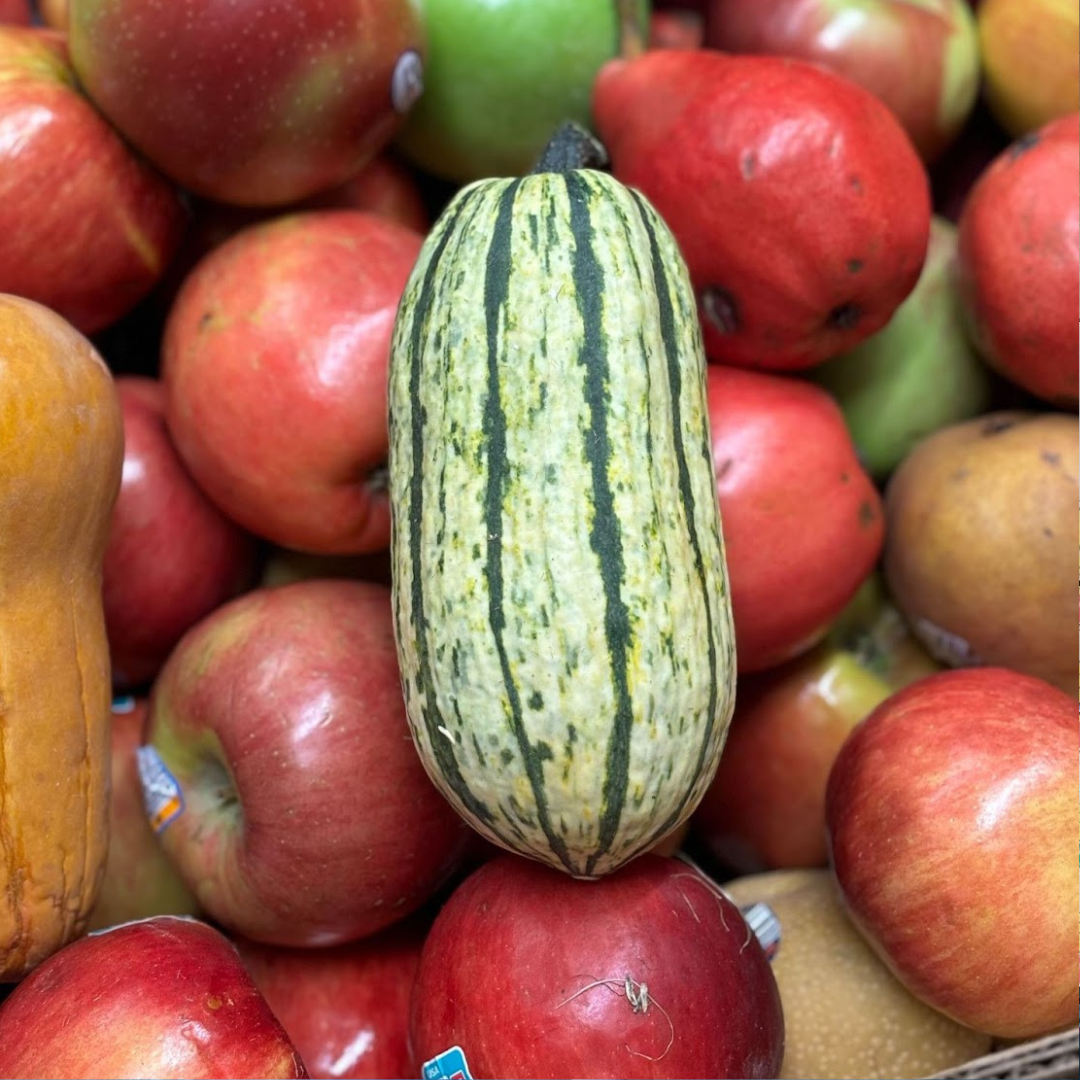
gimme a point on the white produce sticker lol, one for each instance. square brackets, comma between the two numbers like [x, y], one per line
[407, 81]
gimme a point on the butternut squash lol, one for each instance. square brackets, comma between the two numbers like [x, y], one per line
[61, 455]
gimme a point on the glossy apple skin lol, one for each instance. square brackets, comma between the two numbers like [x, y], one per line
[172, 555]
[162, 997]
[274, 359]
[765, 808]
[1018, 261]
[921, 59]
[951, 814]
[346, 1007]
[506, 969]
[88, 226]
[803, 523]
[139, 881]
[256, 104]
[308, 819]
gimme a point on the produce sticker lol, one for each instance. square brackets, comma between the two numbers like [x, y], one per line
[449, 1065]
[162, 797]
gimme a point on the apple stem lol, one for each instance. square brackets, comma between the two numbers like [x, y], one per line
[632, 34]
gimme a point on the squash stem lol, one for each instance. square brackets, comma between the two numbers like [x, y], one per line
[571, 147]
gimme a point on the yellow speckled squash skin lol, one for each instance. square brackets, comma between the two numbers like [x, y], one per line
[560, 588]
[61, 453]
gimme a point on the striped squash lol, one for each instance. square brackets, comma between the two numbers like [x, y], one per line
[560, 590]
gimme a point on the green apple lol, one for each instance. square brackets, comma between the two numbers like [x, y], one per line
[502, 75]
[915, 375]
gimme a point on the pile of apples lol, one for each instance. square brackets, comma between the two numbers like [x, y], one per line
[877, 202]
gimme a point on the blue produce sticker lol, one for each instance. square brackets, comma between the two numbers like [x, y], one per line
[162, 797]
[449, 1065]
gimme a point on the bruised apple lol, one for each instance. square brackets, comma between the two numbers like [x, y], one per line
[797, 199]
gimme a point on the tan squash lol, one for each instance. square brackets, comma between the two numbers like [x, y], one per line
[61, 454]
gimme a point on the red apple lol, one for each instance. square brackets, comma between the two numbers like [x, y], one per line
[258, 103]
[88, 227]
[345, 1007]
[765, 808]
[798, 202]
[1018, 262]
[385, 186]
[172, 556]
[766, 805]
[161, 997]
[952, 826]
[802, 520]
[15, 12]
[274, 359]
[921, 59]
[289, 794]
[648, 972]
[139, 881]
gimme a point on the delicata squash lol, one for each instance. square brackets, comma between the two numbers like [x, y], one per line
[61, 454]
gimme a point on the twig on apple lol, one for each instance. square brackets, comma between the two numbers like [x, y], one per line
[637, 993]
[718, 894]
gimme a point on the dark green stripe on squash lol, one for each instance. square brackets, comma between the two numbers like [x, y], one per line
[606, 533]
[674, 368]
[441, 747]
